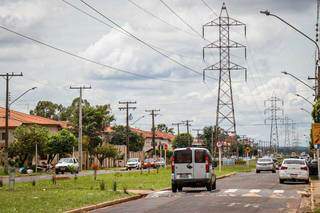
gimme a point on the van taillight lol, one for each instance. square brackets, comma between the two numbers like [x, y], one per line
[304, 168]
[172, 164]
[207, 163]
[283, 168]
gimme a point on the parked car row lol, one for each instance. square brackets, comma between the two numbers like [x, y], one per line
[135, 163]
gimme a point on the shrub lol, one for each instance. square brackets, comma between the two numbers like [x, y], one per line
[102, 185]
[240, 162]
[114, 186]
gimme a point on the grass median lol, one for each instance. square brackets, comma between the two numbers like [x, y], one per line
[67, 194]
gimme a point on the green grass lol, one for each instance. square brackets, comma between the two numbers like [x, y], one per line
[69, 194]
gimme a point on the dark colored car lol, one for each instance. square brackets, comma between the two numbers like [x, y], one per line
[313, 167]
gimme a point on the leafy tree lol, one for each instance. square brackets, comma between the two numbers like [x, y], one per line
[182, 140]
[105, 151]
[118, 137]
[316, 112]
[61, 143]
[164, 128]
[48, 109]
[26, 138]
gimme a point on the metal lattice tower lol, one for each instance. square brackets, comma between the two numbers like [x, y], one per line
[225, 117]
[287, 124]
[274, 118]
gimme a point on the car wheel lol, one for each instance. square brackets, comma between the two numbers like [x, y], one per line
[307, 181]
[209, 187]
[174, 187]
[257, 171]
[62, 172]
[214, 185]
[57, 172]
[180, 188]
[273, 171]
[281, 180]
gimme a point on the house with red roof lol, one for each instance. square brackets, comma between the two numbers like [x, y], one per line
[18, 118]
[165, 139]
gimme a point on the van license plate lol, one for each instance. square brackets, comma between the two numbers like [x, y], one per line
[293, 175]
[184, 176]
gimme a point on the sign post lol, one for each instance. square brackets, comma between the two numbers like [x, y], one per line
[219, 145]
[165, 154]
[247, 150]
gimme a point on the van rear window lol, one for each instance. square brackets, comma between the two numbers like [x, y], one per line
[183, 156]
[200, 156]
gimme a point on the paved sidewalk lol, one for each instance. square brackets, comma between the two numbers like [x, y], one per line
[315, 194]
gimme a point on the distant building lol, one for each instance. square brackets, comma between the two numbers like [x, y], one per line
[17, 119]
[165, 139]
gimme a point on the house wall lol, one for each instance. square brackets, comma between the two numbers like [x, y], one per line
[148, 143]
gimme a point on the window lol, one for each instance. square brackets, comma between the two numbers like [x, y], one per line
[183, 156]
[200, 156]
[299, 162]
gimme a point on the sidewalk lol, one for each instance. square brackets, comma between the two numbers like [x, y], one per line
[315, 195]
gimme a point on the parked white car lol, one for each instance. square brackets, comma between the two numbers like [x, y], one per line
[265, 164]
[294, 169]
[192, 167]
[133, 163]
[64, 165]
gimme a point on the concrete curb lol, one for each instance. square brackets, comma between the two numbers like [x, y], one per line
[311, 196]
[123, 200]
[104, 204]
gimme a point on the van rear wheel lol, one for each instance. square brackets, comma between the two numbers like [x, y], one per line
[209, 187]
[214, 185]
[180, 188]
[174, 187]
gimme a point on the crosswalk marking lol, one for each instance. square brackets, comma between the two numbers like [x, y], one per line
[255, 190]
[278, 191]
[231, 191]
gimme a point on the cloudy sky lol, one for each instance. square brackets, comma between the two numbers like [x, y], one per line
[178, 92]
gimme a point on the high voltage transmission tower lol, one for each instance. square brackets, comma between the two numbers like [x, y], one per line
[273, 110]
[225, 117]
[287, 124]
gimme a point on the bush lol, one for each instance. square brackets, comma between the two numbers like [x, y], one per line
[114, 186]
[240, 162]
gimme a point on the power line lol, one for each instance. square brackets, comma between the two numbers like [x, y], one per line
[83, 58]
[210, 8]
[160, 19]
[142, 41]
[114, 28]
[180, 18]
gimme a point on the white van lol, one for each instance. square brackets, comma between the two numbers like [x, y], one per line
[192, 167]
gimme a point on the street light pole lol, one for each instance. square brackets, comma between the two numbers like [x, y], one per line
[304, 99]
[303, 109]
[304, 83]
[267, 13]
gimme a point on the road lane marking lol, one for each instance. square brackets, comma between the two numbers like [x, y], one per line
[231, 191]
[278, 191]
[255, 191]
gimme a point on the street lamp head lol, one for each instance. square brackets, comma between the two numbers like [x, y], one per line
[284, 72]
[298, 95]
[33, 88]
[266, 12]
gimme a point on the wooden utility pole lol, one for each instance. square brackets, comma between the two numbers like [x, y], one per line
[187, 123]
[153, 114]
[127, 108]
[7, 77]
[178, 126]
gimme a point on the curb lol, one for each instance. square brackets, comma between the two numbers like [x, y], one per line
[104, 204]
[228, 175]
[311, 197]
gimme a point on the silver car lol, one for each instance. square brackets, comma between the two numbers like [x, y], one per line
[265, 164]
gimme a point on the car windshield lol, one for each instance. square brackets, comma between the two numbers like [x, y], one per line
[183, 156]
[66, 160]
[265, 160]
[299, 162]
[132, 160]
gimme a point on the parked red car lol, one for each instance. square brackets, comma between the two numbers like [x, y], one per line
[148, 163]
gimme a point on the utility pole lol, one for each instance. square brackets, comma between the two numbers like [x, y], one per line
[7, 77]
[178, 126]
[153, 115]
[187, 123]
[225, 118]
[80, 88]
[127, 108]
[273, 110]
[198, 134]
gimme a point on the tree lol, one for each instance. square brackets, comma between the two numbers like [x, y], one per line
[61, 143]
[48, 109]
[118, 137]
[164, 128]
[316, 112]
[105, 151]
[26, 138]
[182, 140]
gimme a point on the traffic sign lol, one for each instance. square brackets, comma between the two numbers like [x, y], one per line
[219, 144]
[247, 149]
[316, 133]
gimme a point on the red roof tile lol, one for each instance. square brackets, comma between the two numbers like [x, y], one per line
[18, 118]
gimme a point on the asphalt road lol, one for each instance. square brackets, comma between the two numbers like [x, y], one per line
[246, 192]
